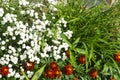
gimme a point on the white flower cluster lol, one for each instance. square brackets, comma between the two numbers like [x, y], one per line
[23, 41]
[53, 1]
[23, 2]
[1, 12]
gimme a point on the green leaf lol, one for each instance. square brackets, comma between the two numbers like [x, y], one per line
[72, 60]
[75, 43]
[65, 40]
[78, 50]
[105, 69]
[38, 73]
[86, 53]
[73, 20]
[117, 77]
[25, 75]
[115, 64]
[102, 40]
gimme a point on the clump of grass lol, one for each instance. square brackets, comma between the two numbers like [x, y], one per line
[98, 30]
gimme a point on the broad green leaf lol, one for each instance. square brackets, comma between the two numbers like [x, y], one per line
[38, 73]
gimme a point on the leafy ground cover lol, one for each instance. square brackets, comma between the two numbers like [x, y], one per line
[59, 40]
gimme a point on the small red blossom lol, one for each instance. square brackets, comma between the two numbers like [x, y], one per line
[82, 59]
[53, 65]
[112, 78]
[93, 73]
[68, 69]
[117, 57]
[4, 70]
[75, 79]
[49, 74]
[57, 73]
[29, 65]
[67, 53]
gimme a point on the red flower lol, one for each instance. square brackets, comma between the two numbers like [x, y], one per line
[112, 78]
[82, 59]
[4, 70]
[75, 79]
[68, 69]
[67, 53]
[29, 65]
[117, 57]
[49, 73]
[93, 73]
[53, 65]
[57, 73]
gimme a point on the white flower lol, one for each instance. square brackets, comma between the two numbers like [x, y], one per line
[21, 68]
[3, 42]
[32, 59]
[9, 18]
[55, 47]
[10, 65]
[57, 57]
[9, 51]
[22, 57]
[37, 60]
[22, 12]
[1, 12]
[6, 62]
[19, 49]
[23, 2]
[13, 38]
[22, 77]
[12, 8]
[32, 13]
[23, 46]
[68, 34]
[44, 17]
[53, 1]
[0, 76]
[17, 75]
[65, 46]
[47, 48]
[30, 73]
[14, 59]
[44, 55]
[53, 17]
[2, 62]
[36, 15]
[12, 73]
[64, 56]
[55, 41]
[10, 70]
[3, 48]
[8, 75]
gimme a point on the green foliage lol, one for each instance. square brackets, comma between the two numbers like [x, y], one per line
[96, 31]
[96, 34]
[38, 73]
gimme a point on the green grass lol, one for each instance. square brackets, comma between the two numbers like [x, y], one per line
[97, 28]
